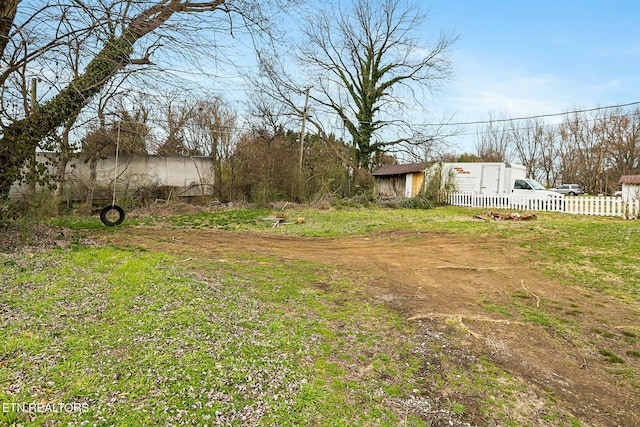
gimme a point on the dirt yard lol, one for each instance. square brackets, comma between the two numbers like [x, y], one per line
[440, 280]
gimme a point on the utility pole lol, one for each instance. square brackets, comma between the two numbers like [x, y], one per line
[304, 119]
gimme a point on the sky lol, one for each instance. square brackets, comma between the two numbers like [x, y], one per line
[525, 58]
[513, 58]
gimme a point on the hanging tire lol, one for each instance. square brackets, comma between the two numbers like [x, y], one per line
[105, 213]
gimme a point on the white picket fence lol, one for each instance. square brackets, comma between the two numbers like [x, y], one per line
[582, 205]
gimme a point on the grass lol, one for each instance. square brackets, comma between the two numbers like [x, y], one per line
[78, 222]
[140, 338]
[237, 219]
[134, 339]
[610, 356]
[599, 252]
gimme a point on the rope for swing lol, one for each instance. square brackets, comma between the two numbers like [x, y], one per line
[115, 179]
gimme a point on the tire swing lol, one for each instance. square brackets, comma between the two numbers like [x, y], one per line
[107, 213]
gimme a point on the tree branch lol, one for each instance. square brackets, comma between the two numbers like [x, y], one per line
[22, 136]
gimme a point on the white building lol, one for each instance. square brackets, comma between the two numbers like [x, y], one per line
[630, 187]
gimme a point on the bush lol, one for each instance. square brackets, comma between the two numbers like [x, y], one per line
[39, 206]
[438, 184]
[362, 200]
[421, 201]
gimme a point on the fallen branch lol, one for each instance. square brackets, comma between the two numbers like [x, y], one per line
[467, 267]
[583, 365]
[627, 327]
[466, 328]
[536, 296]
[459, 320]
[505, 217]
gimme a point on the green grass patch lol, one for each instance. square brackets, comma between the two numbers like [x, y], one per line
[496, 308]
[600, 253]
[78, 222]
[141, 339]
[610, 356]
[233, 219]
[135, 339]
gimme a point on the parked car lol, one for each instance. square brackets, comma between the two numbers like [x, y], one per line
[569, 189]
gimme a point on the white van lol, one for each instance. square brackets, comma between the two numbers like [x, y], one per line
[535, 195]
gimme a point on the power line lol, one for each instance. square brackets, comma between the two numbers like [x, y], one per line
[539, 116]
[520, 128]
[248, 127]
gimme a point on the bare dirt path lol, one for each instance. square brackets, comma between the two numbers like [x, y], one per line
[439, 278]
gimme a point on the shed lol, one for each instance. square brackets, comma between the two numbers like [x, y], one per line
[393, 181]
[630, 187]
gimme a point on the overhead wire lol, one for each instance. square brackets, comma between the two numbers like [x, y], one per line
[245, 127]
[229, 129]
[484, 131]
[537, 116]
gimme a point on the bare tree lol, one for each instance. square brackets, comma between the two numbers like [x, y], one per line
[263, 156]
[325, 172]
[173, 120]
[533, 142]
[621, 135]
[213, 133]
[582, 150]
[203, 126]
[366, 63]
[127, 34]
[492, 144]
[592, 148]
[548, 161]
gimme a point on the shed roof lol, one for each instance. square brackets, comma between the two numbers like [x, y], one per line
[400, 169]
[629, 179]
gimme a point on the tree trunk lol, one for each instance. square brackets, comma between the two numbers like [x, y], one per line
[23, 136]
[63, 160]
[60, 178]
[5, 184]
[93, 175]
[7, 15]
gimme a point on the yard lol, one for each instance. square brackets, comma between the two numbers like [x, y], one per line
[352, 317]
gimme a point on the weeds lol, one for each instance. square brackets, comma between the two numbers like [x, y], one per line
[227, 220]
[139, 341]
[610, 356]
[142, 339]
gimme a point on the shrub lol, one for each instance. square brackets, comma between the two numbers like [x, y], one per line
[421, 201]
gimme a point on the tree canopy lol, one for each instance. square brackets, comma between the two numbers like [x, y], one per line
[365, 64]
[40, 39]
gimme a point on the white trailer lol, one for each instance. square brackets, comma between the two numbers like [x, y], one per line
[503, 182]
[484, 178]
